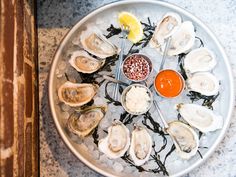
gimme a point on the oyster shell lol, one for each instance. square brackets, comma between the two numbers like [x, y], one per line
[117, 142]
[83, 122]
[201, 59]
[94, 42]
[84, 63]
[200, 117]
[141, 145]
[182, 40]
[76, 94]
[169, 23]
[185, 139]
[204, 82]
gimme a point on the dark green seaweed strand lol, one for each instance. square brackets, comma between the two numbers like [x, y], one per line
[66, 76]
[201, 42]
[199, 154]
[112, 31]
[169, 153]
[207, 100]
[109, 98]
[156, 158]
[156, 128]
[126, 158]
[200, 135]
[182, 71]
[127, 118]
[95, 136]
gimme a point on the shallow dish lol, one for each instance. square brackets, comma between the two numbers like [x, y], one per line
[143, 9]
[123, 99]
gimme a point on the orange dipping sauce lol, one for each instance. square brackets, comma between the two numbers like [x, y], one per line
[169, 83]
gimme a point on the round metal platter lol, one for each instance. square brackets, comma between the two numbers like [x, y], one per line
[106, 15]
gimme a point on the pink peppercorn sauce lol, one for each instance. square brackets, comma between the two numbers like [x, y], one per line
[136, 67]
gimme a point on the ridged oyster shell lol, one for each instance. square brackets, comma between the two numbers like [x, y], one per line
[76, 94]
[83, 122]
[200, 117]
[169, 23]
[94, 42]
[117, 142]
[85, 63]
[185, 139]
[203, 82]
[201, 59]
[141, 145]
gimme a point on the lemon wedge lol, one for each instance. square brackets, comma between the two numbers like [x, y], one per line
[135, 27]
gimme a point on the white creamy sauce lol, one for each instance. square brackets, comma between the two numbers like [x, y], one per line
[137, 99]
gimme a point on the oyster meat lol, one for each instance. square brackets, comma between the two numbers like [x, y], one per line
[201, 59]
[169, 23]
[200, 117]
[203, 82]
[83, 122]
[85, 63]
[185, 139]
[182, 40]
[76, 94]
[141, 145]
[117, 142]
[94, 42]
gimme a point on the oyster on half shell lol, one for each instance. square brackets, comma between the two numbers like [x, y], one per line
[169, 23]
[94, 42]
[203, 82]
[117, 142]
[141, 145]
[83, 122]
[182, 40]
[76, 94]
[200, 117]
[185, 139]
[201, 59]
[85, 63]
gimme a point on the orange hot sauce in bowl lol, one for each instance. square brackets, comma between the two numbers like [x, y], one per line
[169, 83]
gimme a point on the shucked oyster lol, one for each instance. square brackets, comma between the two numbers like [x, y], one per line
[117, 142]
[200, 117]
[201, 59]
[85, 63]
[94, 42]
[182, 40]
[76, 94]
[165, 28]
[203, 82]
[84, 121]
[185, 139]
[141, 145]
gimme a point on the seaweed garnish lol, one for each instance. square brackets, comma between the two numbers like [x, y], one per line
[127, 118]
[207, 100]
[200, 135]
[109, 98]
[161, 166]
[199, 154]
[126, 158]
[156, 128]
[201, 42]
[95, 136]
[180, 62]
[66, 76]
[112, 31]
[169, 153]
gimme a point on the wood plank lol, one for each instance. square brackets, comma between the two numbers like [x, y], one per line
[18, 89]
